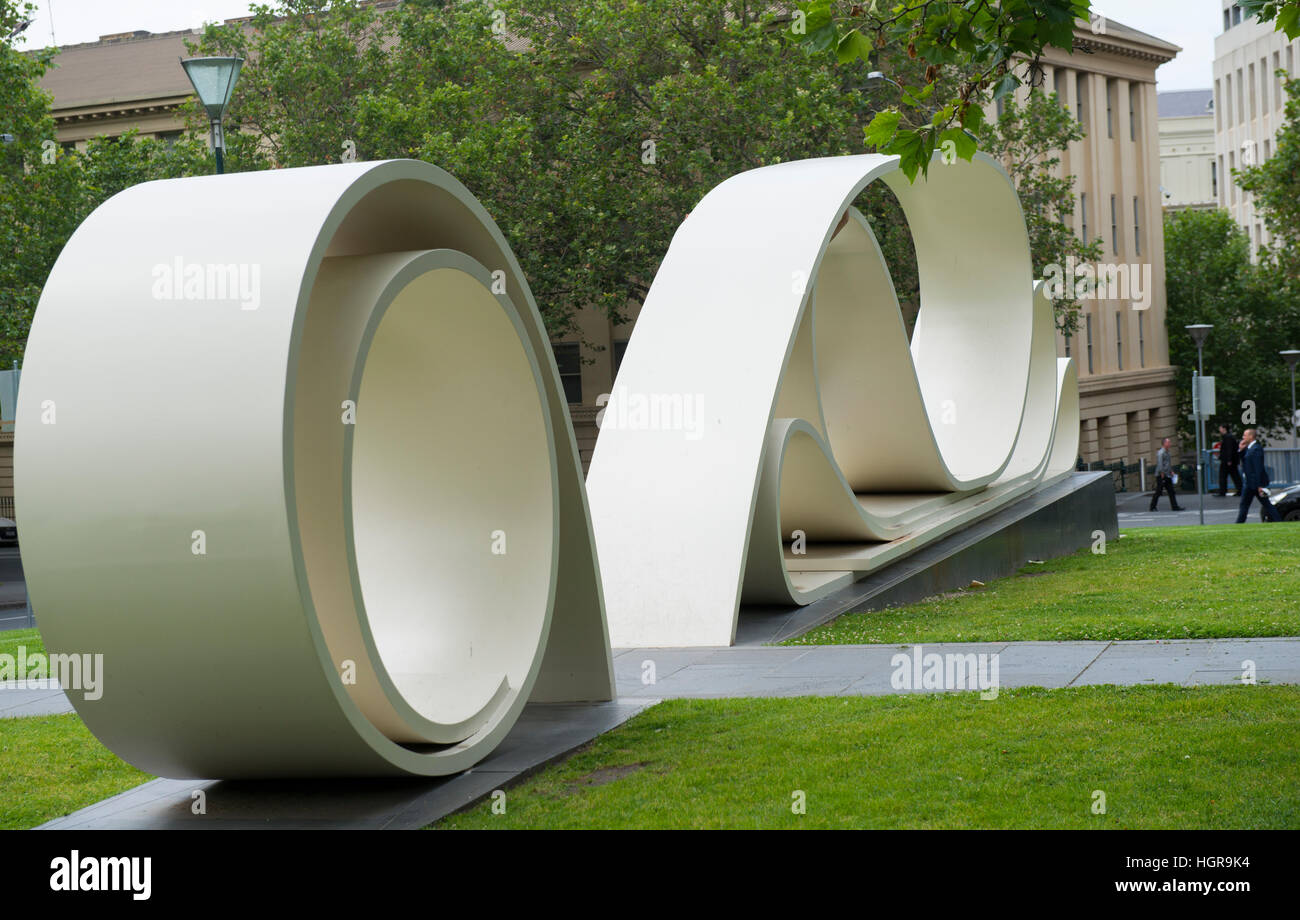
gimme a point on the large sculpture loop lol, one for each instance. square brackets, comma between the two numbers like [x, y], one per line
[296, 460]
[773, 311]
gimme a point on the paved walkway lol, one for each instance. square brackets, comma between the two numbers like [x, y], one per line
[857, 670]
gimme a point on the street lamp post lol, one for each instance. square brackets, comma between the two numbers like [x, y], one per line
[1199, 332]
[1291, 356]
[214, 80]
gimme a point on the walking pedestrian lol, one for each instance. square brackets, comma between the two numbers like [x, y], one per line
[1164, 477]
[1252, 464]
[1229, 457]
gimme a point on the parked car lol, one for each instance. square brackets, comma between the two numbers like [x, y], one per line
[1287, 502]
[8, 531]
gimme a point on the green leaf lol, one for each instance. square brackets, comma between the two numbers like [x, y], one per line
[853, 45]
[963, 142]
[1005, 86]
[882, 129]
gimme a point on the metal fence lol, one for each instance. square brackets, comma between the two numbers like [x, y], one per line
[1282, 463]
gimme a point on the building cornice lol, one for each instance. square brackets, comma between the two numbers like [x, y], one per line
[1126, 380]
[107, 111]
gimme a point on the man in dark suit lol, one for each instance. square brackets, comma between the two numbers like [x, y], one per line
[1229, 457]
[1252, 464]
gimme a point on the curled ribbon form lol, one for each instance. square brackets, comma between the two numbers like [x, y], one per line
[294, 457]
[824, 444]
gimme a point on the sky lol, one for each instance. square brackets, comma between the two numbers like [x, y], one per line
[1191, 24]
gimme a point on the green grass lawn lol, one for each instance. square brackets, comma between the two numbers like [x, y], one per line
[51, 766]
[12, 638]
[1165, 757]
[1154, 583]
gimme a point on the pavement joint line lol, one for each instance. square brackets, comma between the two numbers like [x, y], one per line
[1090, 663]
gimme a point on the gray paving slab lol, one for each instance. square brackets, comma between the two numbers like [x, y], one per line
[849, 661]
[629, 664]
[542, 734]
[15, 703]
[801, 686]
[1279, 676]
[867, 669]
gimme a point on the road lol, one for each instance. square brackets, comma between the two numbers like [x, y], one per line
[1134, 510]
[13, 590]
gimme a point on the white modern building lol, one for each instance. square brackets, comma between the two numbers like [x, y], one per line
[1249, 105]
[1189, 172]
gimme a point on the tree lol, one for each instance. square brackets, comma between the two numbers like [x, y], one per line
[984, 46]
[1210, 279]
[589, 148]
[1275, 185]
[45, 191]
[593, 144]
[1285, 14]
[40, 195]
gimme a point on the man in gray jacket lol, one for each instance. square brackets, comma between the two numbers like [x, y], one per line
[1164, 477]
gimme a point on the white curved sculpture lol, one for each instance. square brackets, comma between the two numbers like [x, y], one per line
[774, 315]
[294, 456]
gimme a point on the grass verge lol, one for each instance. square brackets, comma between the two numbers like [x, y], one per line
[1164, 757]
[1155, 583]
[10, 639]
[53, 765]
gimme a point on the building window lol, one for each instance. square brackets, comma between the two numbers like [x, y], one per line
[1218, 95]
[1083, 213]
[1227, 20]
[1214, 178]
[1058, 84]
[1081, 98]
[1232, 186]
[1290, 60]
[620, 348]
[1087, 323]
[1263, 85]
[1236, 15]
[1137, 228]
[568, 358]
[1114, 225]
[1142, 341]
[1133, 102]
[1252, 91]
[1110, 108]
[1268, 149]
[1278, 100]
[1067, 344]
[1241, 97]
[1119, 339]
